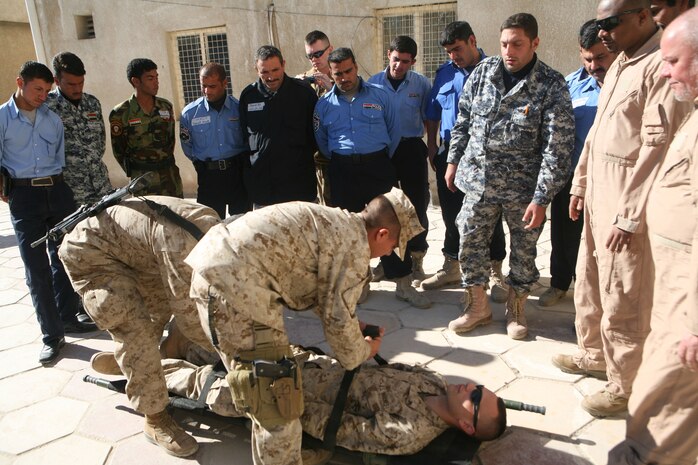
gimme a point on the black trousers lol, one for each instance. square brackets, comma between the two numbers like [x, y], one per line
[565, 235]
[451, 204]
[223, 189]
[410, 160]
[355, 181]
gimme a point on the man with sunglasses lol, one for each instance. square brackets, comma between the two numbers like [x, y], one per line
[421, 404]
[317, 51]
[637, 117]
[661, 426]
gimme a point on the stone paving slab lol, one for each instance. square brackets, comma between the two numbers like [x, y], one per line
[49, 415]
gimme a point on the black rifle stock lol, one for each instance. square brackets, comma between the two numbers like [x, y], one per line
[85, 211]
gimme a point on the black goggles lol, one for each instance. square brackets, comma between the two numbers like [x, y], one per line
[476, 398]
[317, 54]
[612, 22]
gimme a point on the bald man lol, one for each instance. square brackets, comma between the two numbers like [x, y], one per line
[663, 416]
[637, 117]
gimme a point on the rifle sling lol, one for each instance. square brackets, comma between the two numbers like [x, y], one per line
[330, 437]
[179, 220]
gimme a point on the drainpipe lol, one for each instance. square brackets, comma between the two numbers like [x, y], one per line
[37, 37]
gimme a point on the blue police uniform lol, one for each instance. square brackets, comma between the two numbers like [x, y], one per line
[565, 234]
[443, 106]
[410, 157]
[213, 141]
[33, 156]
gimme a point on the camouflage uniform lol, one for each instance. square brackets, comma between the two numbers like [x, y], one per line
[300, 255]
[512, 148]
[128, 265]
[322, 163]
[84, 171]
[385, 411]
[142, 143]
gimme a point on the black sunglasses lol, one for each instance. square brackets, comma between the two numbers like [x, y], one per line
[475, 398]
[612, 22]
[317, 54]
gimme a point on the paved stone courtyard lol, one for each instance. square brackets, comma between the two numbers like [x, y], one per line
[50, 416]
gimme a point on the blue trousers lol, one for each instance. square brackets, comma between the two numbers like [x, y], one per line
[35, 210]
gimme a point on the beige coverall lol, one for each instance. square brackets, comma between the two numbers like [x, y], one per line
[128, 265]
[300, 255]
[636, 117]
[663, 422]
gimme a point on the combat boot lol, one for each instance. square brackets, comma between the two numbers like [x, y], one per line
[605, 404]
[418, 268]
[517, 328]
[551, 297]
[499, 290]
[163, 431]
[176, 344]
[315, 456]
[405, 291]
[105, 363]
[476, 311]
[448, 274]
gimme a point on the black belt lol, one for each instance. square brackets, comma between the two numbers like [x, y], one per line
[218, 165]
[359, 157]
[45, 181]
[150, 165]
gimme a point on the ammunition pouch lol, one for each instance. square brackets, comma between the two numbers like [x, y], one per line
[272, 400]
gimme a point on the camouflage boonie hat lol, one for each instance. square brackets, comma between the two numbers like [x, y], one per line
[407, 216]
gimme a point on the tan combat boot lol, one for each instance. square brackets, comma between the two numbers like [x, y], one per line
[405, 291]
[605, 404]
[163, 431]
[517, 328]
[176, 344]
[476, 311]
[499, 290]
[315, 456]
[448, 274]
[418, 268]
[105, 363]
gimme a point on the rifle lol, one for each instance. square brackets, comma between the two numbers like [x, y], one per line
[515, 405]
[56, 233]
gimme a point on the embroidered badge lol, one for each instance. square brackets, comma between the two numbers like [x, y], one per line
[373, 106]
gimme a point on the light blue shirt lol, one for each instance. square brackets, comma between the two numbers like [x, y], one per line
[30, 151]
[584, 92]
[445, 93]
[366, 124]
[412, 96]
[208, 134]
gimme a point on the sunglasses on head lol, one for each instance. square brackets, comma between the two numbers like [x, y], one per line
[317, 54]
[612, 22]
[476, 398]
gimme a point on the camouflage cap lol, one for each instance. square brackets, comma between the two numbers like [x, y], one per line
[407, 216]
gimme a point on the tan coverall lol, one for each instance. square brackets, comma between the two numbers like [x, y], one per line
[297, 254]
[636, 117]
[128, 265]
[663, 422]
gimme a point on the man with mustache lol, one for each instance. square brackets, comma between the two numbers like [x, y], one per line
[661, 427]
[276, 115]
[637, 118]
[585, 86]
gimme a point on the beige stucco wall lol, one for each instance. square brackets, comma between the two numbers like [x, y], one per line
[16, 45]
[133, 28]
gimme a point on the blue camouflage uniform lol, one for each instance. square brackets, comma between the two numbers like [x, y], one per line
[85, 140]
[512, 148]
[410, 157]
[213, 141]
[565, 234]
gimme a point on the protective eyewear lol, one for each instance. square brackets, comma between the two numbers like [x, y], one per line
[475, 398]
[317, 54]
[612, 22]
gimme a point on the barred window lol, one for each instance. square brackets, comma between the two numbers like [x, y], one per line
[424, 24]
[193, 49]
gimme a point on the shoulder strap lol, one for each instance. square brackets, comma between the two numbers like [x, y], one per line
[330, 438]
[179, 220]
